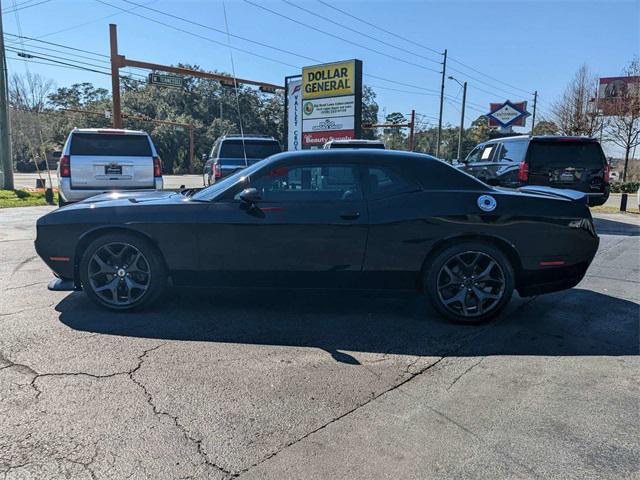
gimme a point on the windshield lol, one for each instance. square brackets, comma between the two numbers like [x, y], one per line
[217, 188]
[254, 149]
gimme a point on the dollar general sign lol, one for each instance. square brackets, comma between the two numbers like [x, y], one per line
[329, 80]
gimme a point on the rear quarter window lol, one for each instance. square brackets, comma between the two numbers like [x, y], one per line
[542, 155]
[100, 144]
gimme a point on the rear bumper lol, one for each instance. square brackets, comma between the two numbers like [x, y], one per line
[550, 280]
[70, 194]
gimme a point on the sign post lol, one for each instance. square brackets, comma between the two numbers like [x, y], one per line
[293, 112]
[331, 102]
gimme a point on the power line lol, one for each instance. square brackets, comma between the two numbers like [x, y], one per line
[379, 27]
[14, 9]
[213, 29]
[56, 44]
[297, 67]
[79, 25]
[202, 37]
[32, 50]
[408, 40]
[346, 27]
[262, 7]
[68, 65]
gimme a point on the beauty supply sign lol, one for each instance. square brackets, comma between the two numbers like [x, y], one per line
[331, 102]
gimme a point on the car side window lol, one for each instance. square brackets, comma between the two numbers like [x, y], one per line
[384, 182]
[309, 183]
[513, 151]
[215, 150]
[481, 153]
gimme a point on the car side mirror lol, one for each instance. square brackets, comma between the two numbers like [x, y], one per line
[250, 196]
[56, 155]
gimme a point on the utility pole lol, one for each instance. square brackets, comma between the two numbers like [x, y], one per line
[444, 73]
[533, 117]
[6, 172]
[461, 132]
[115, 77]
[412, 129]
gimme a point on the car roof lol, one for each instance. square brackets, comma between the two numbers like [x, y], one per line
[352, 155]
[544, 138]
[357, 141]
[117, 131]
[249, 138]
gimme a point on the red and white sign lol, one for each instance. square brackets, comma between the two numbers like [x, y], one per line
[613, 92]
[513, 114]
[317, 139]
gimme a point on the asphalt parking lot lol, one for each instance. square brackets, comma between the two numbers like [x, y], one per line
[319, 384]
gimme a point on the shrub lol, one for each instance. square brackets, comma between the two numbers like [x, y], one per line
[625, 187]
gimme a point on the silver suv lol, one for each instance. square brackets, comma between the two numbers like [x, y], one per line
[95, 161]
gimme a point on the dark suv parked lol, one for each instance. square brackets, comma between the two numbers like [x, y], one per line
[228, 154]
[576, 163]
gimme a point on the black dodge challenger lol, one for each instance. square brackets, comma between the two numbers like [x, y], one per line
[361, 219]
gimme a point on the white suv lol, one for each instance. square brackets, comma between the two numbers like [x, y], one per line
[95, 161]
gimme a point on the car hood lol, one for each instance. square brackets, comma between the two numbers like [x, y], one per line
[132, 196]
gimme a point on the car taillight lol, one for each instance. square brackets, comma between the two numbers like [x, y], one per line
[523, 172]
[65, 166]
[607, 172]
[216, 170]
[157, 167]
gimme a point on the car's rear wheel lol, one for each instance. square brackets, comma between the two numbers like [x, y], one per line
[470, 282]
[121, 271]
[61, 202]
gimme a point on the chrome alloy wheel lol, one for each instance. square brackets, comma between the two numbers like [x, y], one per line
[471, 284]
[119, 274]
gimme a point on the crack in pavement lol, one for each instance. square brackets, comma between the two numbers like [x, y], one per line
[339, 417]
[174, 418]
[31, 309]
[23, 263]
[455, 380]
[398, 386]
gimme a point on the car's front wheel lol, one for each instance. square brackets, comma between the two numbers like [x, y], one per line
[470, 282]
[122, 271]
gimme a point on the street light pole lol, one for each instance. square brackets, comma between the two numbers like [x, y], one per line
[464, 101]
[444, 74]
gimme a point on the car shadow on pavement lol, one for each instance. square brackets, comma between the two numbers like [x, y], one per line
[611, 227]
[573, 322]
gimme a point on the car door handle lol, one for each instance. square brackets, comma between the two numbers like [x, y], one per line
[350, 216]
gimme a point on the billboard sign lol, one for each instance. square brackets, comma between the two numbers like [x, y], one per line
[293, 94]
[329, 107]
[328, 124]
[508, 114]
[318, 139]
[331, 102]
[612, 91]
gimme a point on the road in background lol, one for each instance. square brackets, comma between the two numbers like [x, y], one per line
[171, 182]
[319, 385]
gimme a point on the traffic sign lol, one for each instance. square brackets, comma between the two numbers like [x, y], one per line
[166, 80]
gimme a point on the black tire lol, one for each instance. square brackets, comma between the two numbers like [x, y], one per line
[61, 203]
[467, 293]
[147, 270]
